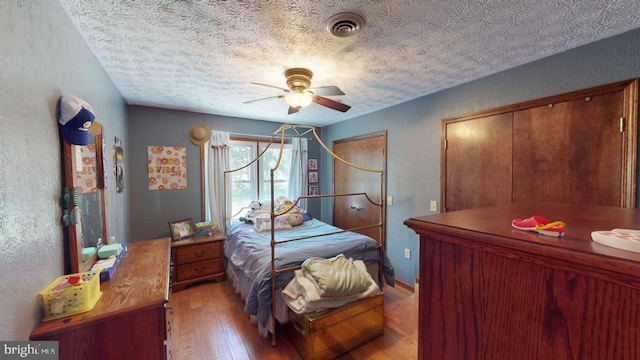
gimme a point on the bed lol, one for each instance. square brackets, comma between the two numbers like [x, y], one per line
[261, 263]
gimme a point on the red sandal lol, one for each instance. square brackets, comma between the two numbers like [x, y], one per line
[540, 225]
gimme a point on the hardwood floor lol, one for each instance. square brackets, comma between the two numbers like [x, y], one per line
[209, 323]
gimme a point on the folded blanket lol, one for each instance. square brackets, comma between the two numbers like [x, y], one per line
[302, 296]
[336, 276]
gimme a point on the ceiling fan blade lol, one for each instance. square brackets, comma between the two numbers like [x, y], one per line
[267, 98]
[292, 110]
[326, 91]
[331, 103]
[271, 86]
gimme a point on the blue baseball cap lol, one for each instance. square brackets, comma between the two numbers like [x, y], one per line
[76, 117]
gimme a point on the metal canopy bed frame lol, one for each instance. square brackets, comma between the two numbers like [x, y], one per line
[287, 131]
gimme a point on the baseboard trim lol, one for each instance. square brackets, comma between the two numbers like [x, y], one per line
[403, 285]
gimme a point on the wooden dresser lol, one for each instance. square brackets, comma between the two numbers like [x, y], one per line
[488, 291]
[130, 320]
[197, 259]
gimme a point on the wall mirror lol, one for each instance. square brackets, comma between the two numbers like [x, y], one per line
[86, 206]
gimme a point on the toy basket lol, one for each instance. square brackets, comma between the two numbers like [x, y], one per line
[61, 298]
[207, 229]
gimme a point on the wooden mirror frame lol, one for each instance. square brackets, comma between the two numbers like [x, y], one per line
[75, 232]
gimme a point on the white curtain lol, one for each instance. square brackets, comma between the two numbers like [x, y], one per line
[298, 174]
[219, 200]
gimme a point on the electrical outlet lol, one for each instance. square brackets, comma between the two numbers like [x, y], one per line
[407, 253]
[434, 205]
[389, 200]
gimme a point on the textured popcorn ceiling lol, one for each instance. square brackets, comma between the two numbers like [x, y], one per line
[203, 55]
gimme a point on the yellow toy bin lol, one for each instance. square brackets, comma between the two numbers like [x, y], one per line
[207, 229]
[63, 298]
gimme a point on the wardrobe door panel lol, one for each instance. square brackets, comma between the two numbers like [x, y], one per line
[570, 152]
[478, 162]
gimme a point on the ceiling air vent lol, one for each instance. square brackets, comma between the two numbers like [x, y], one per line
[345, 24]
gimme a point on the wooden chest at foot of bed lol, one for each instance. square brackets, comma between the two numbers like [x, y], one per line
[331, 333]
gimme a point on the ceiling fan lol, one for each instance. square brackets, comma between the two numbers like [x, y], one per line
[300, 94]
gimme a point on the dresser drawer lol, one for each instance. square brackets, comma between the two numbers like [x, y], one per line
[198, 252]
[198, 269]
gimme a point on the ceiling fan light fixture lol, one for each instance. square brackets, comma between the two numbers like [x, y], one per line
[298, 99]
[300, 94]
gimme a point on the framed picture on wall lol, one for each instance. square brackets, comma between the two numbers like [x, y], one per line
[167, 167]
[313, 190]
[313, 176]
[182, 229]
[313, 164]
[118, 164]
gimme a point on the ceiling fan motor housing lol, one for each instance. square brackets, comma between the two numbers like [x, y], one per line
[301, 94]
[298, 78]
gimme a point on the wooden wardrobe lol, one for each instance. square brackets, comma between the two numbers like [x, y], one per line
[574, 148]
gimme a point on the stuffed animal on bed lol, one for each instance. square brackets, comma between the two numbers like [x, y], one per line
[295, 218]
[286, 206]
[254, 208]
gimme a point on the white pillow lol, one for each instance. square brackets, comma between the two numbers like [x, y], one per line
[262, 222]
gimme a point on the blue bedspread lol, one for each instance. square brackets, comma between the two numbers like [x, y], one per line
[251, 252]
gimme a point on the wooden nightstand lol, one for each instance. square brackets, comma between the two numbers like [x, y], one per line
[197, 259]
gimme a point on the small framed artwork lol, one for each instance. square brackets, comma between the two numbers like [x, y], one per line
[313, 164]
[182, 229]
[313, 189]
[118, 164]
[313, 176]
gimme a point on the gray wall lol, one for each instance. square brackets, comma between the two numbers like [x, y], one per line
[151, 210]
[413, 177]
[43, 57]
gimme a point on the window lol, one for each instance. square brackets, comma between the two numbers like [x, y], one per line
[254, 182]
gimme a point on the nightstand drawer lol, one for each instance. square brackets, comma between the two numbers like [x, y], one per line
[198, 252]
[202, 268]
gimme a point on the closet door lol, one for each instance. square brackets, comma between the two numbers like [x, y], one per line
[477, 162]
[573, 148]
[570, 152]
[368, 151]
